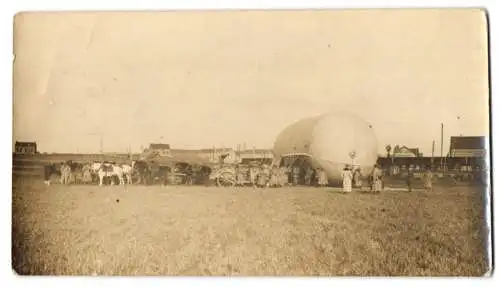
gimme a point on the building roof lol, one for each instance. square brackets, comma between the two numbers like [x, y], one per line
[477, 143]
[257, 151]
[261, 161]
[159, 146]
[401, 149]
[26, 144]
[228, 149]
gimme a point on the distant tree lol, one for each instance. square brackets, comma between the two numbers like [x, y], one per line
[388, 150]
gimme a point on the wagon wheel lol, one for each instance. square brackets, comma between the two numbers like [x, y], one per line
[226, 179]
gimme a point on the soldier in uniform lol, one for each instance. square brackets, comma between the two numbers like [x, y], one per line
[308, 176]
[347, 179]
[377, 179]
[428, 180]
[357, 178]
[295, 175]
[87, 175]
[322, 178]
[65, 173]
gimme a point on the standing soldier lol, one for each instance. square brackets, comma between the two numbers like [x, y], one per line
[65, 173]
[317, 174]
[275, 174]
[87, 175]
[283, 176]
[295, 175]
[428, 180]
[377, 179]
[254, 171]
[409, 180]
[347, 179]
[308, 176]
[322, 178]
[262, 177]
[357, 178]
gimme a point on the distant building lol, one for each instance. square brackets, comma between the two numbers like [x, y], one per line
[473, 146]
[187, 155]
[205, 155]
[403, 151]
[25, 148]
[159, 148]
[261, 155]
[214, 155]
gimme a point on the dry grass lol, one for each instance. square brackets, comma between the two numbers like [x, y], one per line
[80, 230]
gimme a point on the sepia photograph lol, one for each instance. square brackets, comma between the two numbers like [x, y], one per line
[342, 142]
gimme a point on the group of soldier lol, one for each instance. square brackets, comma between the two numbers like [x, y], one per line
[261, 175]
[69, 172]
[352, 177]
[274, 176]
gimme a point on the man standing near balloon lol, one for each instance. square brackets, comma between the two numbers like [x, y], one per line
[347, 179]
[377, 179]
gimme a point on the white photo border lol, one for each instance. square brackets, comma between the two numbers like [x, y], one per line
[9, 9]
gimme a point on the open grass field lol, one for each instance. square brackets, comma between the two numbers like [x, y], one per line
[84, 230]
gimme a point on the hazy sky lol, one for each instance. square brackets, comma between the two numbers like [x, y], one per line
[197, 79]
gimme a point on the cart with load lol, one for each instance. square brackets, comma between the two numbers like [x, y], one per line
[224, 175]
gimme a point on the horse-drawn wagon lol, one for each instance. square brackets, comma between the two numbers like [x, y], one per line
[223, 175]
[234, 175]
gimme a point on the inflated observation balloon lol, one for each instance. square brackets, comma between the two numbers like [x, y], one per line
[332, 141]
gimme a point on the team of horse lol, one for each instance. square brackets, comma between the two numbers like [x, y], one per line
[105, 172]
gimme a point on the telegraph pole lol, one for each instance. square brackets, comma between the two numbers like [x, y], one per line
[432, 155]
[102, 144]
[442, 128]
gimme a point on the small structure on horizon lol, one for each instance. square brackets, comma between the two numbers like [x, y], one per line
[470, 146]
[258, 155]
[214, 155]
[25, 148]
[159, 149]
[404, 151]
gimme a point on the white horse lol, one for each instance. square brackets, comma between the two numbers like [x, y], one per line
[127, 172]
[108, 170]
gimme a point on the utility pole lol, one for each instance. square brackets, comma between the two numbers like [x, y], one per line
[432, 155]
[102, 144]
[442, 129]
[433, 144]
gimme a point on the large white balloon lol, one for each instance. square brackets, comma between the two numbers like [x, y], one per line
[332, 140]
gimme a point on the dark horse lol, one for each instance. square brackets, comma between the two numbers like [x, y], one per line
[141, 171]
[150, 172]
[48, 171]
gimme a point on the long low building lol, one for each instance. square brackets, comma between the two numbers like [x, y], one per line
[470, 146]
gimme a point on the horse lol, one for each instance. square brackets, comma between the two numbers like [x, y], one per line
[141, 168]
[48, 171]
[127, 172]
[76, 172]
[108, 170]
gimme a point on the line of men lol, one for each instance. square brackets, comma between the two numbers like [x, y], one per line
[274, 176]
[352, 177]
[99, 172]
